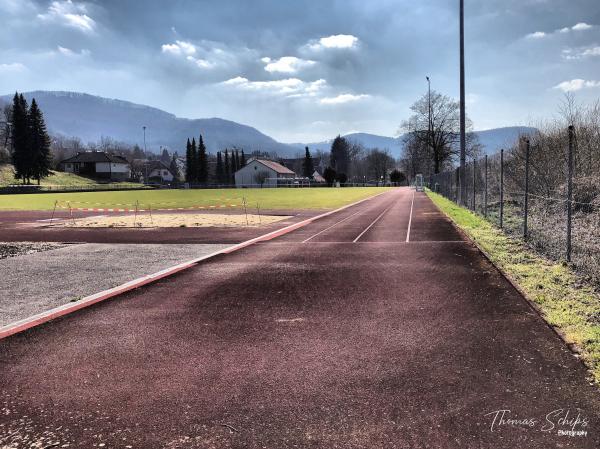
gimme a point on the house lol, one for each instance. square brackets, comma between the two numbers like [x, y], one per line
[318, 178]
[157, 171]
[97, 164]
[265, 173]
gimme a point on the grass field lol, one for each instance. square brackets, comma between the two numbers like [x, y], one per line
[313, 198]
[565, 300]
[56, 179]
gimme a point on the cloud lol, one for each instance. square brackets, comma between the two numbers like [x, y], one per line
[582, 26]
[336, 41]
[70, 53]
[12, 67]
[69, 14]
[576, 84]
[201, 63]
[580, 53]
[289, 87]
[343, 98]
[286, 64]
[536, 35]
[179, 48]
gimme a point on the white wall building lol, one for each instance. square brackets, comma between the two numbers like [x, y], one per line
[157, 170]
[99, 165]
[263, 172]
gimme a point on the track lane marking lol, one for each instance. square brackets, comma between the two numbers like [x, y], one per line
[410, 218]
[333, 225]
[374, 221]
[66, 309]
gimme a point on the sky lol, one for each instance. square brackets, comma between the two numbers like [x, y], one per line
[307, 70]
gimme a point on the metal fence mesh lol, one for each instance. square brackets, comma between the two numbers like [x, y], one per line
[499, 186]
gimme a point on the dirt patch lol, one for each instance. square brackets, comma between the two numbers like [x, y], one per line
[173, 221]
[21, 248]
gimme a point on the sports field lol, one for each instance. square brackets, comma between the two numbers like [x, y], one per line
[314, 198]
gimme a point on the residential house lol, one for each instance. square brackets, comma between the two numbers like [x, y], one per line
[98, 165]
[265, 173]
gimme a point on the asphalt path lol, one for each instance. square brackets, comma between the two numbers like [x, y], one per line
[341, 334]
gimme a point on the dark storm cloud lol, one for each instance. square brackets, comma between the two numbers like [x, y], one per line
[265, 63]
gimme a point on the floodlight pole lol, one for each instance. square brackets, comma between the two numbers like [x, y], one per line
[429, 124]
[463, 142]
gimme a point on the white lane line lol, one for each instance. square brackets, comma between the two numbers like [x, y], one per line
[35, 320]
[333, 225]
[374, 221]
[410, 218]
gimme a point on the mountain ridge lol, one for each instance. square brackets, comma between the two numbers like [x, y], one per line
[90, 117]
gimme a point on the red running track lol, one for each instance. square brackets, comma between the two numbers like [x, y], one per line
[353, 339]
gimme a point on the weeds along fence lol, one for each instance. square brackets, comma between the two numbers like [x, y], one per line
[545, 202]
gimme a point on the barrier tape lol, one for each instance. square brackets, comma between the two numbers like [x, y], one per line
[133, 204]
[129, 209]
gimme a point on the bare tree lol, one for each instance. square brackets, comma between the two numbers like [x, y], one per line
[441, 139]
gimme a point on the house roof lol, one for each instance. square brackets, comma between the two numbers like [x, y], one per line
[157, 165]
[275, 166]
[317, 177]
[96, 156]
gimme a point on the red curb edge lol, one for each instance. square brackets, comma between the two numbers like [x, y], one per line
[44, 317]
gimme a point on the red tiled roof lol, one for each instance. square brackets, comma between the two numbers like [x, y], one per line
[275, 166]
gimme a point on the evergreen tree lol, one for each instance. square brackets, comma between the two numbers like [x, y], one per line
[194, 153]
[219, 172]
[227, 168]
[308, 167]
[243, 160]
[340, 155]
[237, 160]
[329, 174]
[138, 153]
[164, 157]
[39, 143]
[19, 139]
[189, 162]
[202, 164]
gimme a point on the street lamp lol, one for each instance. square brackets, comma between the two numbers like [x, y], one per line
[463, 141]
[429, 124]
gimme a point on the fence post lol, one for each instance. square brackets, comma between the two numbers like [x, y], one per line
[474, 170]
[526, 211]
[457, 184]
[485, 193]
[570, 191]
[501, 188]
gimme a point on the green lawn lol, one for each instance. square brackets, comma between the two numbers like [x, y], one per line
[285, 198]
[56, 179]
[565, 300]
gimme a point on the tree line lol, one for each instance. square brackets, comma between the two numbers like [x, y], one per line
[227, 164]
[30, 142]
[351, 162]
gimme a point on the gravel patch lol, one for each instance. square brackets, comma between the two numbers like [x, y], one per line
[34, 283]
[12, 249]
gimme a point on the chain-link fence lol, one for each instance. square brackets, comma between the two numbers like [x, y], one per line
[555, 211]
